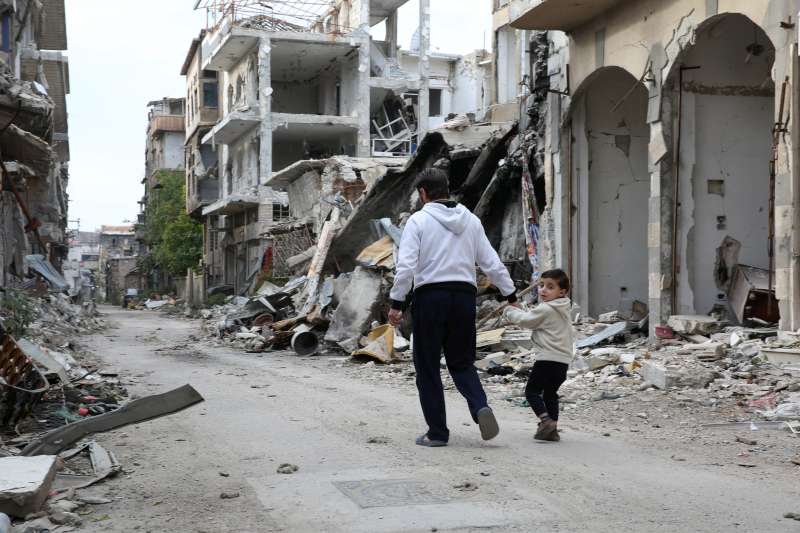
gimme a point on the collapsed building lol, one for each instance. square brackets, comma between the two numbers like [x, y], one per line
[34, 142]
[660, 136]
[268, 87]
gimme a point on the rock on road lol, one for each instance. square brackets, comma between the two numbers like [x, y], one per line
[264, 410]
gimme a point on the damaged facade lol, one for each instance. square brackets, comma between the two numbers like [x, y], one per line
[304, 81]
[660, 138]
[34, 82]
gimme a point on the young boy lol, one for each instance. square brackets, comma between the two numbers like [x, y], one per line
[553, 339]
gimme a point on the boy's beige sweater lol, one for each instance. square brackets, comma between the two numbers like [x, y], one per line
[553, 336]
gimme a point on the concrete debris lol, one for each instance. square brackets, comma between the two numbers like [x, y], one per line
[694, 324]
[605, 335]
[287, 468]
[379, 345]
[356, 309]
[25, 483]
[140, 410]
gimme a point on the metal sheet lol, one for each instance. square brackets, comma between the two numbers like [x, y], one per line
[43, 267]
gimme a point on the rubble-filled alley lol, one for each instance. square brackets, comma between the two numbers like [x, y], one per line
[237, 353]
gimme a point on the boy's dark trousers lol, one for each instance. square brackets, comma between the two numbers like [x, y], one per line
[444, 320]
[543, 384]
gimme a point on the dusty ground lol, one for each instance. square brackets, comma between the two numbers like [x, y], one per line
[350, 431]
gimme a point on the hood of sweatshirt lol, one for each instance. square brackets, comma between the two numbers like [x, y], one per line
[454, 219]
[562, 306]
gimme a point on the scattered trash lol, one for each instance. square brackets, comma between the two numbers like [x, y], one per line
[136, 411]
[379, 345]
[467, 486]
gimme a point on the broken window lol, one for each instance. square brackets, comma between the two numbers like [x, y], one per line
[280, 212]
[435, 109]
[210, 98]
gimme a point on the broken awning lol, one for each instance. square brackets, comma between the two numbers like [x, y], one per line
[564, 15]
[44, 268]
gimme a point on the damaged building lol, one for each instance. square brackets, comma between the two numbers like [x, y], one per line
[659, 140]
[34, 82]
[303, 81]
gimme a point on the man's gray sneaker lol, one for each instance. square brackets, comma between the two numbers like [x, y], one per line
[488, 423]
[424, 440]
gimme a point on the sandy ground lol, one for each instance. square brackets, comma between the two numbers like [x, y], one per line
[350, 430]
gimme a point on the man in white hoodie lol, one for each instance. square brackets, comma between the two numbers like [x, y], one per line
[440, 247]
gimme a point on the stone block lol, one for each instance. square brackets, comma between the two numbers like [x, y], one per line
[358, 305]
[693, 324]
[664, 376]
[25, 483]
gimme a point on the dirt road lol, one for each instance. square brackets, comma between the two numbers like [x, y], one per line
[359, 469]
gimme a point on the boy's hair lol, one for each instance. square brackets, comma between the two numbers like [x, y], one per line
[435, 183]
[559, 276]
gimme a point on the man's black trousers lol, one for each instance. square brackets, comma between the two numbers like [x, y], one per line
[444, 320]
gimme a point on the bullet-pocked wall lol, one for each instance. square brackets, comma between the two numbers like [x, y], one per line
[727, 111]
[747, 50]
[611, 187]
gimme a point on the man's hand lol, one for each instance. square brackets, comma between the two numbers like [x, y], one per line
[395, 317]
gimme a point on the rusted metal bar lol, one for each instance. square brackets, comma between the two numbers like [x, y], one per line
[777, 130]
[676, 187]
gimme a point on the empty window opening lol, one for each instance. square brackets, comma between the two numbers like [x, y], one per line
[435, 109]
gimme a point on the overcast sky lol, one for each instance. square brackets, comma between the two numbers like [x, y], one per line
[123, 54]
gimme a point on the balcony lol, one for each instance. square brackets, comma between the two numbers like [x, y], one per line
[232, 127]
[232, 205]
[173, 123]
[206, 192]
[562, 14]
[225, 47]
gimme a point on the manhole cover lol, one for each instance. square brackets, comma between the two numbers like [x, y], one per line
[391, 492]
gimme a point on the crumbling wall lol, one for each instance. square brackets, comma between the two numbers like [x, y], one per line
[613, 188]
[728, 108]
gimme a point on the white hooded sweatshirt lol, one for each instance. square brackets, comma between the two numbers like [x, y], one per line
[443, 244]
[553, 336]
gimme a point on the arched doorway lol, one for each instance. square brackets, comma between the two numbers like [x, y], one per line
[726, 105]
[611, 137]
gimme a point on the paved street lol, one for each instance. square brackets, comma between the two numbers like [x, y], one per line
[263, 410]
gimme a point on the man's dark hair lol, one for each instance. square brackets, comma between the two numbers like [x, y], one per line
[559, 276]
[435, 183]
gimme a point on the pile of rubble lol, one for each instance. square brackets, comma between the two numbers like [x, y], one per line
[337, 293]
[52, 395]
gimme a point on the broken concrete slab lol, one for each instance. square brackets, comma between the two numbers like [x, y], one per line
[44, 360]
[25, 483]
[136, 411]
[694, 324]
[664, 376]
[357, 308]
[491, 360]
[493, 337]
[607, 334]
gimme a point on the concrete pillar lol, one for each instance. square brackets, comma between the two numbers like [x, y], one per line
[391, 34]
[265, 101]
[265, 132]
[363, 148]
[424, 67]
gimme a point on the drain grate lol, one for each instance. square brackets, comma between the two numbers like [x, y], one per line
[391, 492]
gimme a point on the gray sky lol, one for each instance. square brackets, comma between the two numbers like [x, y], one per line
[123, 54]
